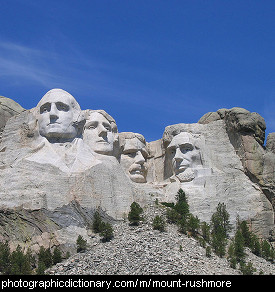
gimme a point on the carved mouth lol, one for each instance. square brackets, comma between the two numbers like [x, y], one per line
[102, 141]
[183, 166]
[137, 171]
[53, 124]
[138, 175]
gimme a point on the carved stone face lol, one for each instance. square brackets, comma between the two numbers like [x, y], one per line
[56, 115]
[133, 160]
[98, 134]
[182, 152]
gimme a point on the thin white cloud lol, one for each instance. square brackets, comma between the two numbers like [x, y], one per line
[24, 63]
[77, 72]
[69, 69]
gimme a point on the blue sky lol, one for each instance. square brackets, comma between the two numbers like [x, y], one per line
[149, 64]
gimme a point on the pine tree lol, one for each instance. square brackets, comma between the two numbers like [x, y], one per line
[247, 269]
[57, 256]
[205, 229]
[220, 220]
[41, 268]
[255, 245]
[81, 244]
[245, 233]
[181, 206]
[208, 251]
[107, 232]
[231, 255]
[218, 243]
[31, 258]
[266, 249]
[134, 215]
[239, 246]
[182, 224]
[48, 258]
[220, 228]
[193, 224]
[5, 258]
[159, 223]
[98, 224]
[45, 256]
[172, 215]
[181, 209]
[178, 213]
[20, 263]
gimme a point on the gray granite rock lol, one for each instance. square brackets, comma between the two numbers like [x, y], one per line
[59, 163]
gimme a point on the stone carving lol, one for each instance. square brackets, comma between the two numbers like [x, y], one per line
[60, 124]
[133, 156]
[60, 163]
[214, 175]
[100, 132]
[183, 155]
[59, 116]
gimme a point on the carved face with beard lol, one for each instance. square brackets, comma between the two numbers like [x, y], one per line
[133, 157]
[183, 156]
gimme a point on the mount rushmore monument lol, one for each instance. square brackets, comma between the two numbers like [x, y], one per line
[60, 163]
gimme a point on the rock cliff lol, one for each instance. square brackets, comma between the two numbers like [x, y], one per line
[60, 163]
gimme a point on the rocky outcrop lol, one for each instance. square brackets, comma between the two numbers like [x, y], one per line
[268, 176]
[8, 108]
[59, 163]
[219, 176]
[246, 132]
[140, 250]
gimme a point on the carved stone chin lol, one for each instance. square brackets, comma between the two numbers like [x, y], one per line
[186, 176]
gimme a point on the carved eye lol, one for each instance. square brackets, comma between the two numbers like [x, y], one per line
[144, 153]
[130, 154]
[45, 108]
[186, 149]
[107, 126]
[172, 151]
[91, 125]
[62, 106]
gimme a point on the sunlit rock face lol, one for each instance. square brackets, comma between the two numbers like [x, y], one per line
[58, 115]
[183, 155]
[200, 159]
[60, 163]
[100, 133]
[133, 156]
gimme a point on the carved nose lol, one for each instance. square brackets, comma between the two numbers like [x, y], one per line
[139, 158]
[53, 111]
[101, 130]
[178, 155]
